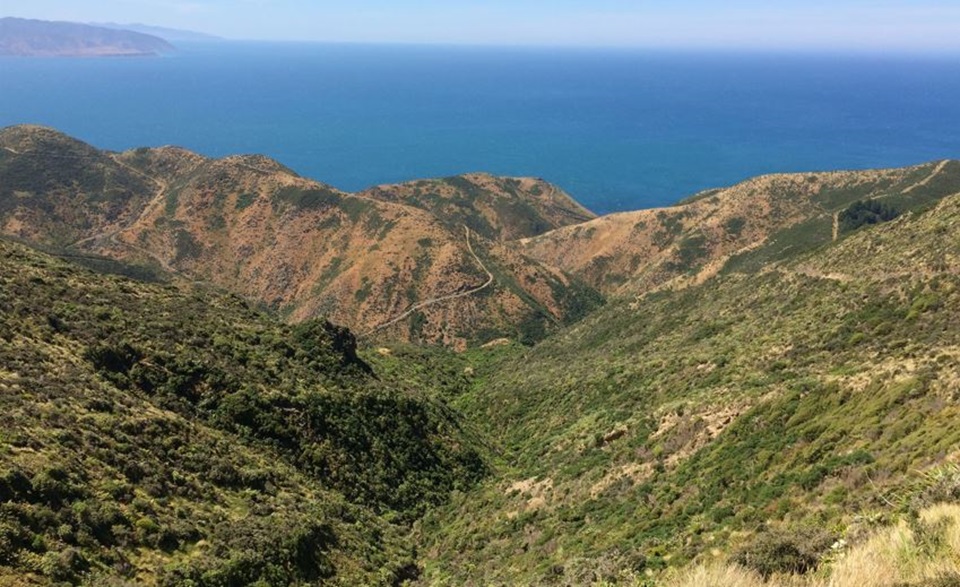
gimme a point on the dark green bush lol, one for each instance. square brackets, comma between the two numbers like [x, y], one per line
[734, 226]
[784, 551]
[308, 198]
[864, 212]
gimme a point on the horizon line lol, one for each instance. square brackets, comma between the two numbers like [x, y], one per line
[719, 47]
[769, 49]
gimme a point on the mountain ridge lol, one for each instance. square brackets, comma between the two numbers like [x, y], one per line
[168, 34]
[633, 252]
[219, 220]
[252, 225]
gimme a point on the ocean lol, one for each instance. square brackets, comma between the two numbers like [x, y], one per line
[618, 129]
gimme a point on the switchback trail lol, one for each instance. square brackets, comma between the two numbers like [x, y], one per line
[446, 298]
[114, 236]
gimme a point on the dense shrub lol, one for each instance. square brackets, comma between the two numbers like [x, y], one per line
[156, 418]
[308, 198]
[864, 212]
[783, 551]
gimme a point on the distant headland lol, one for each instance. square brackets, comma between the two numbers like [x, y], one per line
[38, 38]
[167, 34]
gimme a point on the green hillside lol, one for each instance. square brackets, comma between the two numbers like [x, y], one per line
[682, 425]
[161, 437]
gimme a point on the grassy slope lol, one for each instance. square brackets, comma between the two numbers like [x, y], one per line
[158, 436]
[658, 430]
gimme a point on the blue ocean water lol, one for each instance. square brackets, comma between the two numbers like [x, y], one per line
[618, 129]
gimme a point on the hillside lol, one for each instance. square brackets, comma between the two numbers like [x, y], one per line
[802, 399]
[159, 436]
[39, 38]
[246, 223]
[496, 208]
[631, 252]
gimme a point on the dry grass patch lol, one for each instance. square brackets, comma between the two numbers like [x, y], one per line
[919, 552]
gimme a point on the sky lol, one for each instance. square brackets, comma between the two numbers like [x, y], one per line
[857, 25]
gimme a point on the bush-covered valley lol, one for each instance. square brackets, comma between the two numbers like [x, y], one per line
[758, 403]
[808, 398]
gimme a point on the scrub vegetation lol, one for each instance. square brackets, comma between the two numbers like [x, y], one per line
[769, 399]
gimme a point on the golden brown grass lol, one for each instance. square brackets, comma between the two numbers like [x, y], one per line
[904, 554]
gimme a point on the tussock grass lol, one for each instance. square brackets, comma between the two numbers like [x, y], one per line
[923, 551]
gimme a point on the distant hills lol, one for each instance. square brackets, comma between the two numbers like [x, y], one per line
[427, 261]
[38, 38]
[634, 252]
[172, 35]
[460, 260]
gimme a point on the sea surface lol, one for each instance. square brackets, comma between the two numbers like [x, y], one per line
[618, 129]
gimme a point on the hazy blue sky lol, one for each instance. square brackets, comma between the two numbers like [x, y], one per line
[887, 25]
